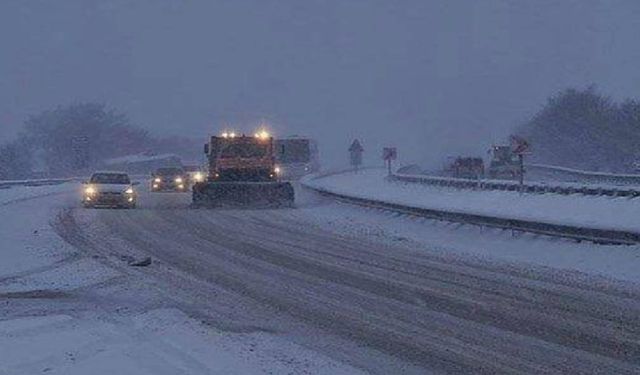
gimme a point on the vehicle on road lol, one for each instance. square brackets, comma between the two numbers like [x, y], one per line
[504, 164]
[242, 170]
[109, 189]
[170, 179]
[466, 167]
[195, 173]
[296, 157]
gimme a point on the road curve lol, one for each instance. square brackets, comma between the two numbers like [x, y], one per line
[383, 308]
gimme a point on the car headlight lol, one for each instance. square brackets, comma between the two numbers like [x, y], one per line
[90, 190]
[198, 177]
[178, 180]
[277, 170]
[129, 191]
[157, 180]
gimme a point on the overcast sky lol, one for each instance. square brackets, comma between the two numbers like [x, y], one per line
[432, 77]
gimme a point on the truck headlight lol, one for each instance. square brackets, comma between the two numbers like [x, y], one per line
[90, 190]
[178, 180]
[157, 180]
[198, 177]
[277, 170]
[129, 191]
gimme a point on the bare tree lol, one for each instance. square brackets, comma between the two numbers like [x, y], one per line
[79, 136]
[584, 129]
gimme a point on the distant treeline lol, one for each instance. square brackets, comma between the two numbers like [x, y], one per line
[586, 130]
[75, 138]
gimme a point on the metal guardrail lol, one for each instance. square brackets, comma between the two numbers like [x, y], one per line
[57, 181]
[586, 176]
[538, 188]
[595, 235]
[37, 182]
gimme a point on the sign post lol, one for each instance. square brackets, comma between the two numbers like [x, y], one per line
[355, 154]
[520, 147]
[388, 155]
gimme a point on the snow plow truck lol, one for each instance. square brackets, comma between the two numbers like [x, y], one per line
[242, 171]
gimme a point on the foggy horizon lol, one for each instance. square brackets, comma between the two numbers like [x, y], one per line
[433, 78]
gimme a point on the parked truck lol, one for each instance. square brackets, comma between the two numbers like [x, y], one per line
[504, 163]
[466, 167]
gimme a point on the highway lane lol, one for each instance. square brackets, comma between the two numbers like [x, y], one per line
[381, 307]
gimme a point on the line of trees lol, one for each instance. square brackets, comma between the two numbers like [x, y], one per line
[73, 139]
[587, 130]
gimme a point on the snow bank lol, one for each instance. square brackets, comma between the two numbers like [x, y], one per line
[578, 210]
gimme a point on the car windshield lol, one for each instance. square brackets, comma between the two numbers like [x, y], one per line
[169, 171]
[110, 178]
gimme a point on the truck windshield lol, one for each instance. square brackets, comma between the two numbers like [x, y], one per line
[110, 178]
[244, 150]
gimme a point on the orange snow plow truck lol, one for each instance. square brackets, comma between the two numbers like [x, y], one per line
[241, 170]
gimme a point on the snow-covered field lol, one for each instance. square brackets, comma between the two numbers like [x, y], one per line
[589, 211]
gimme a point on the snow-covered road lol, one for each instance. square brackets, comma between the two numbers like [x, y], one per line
[68, 310]
[322, 288]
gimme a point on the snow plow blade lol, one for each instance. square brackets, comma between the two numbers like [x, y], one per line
[269, 194]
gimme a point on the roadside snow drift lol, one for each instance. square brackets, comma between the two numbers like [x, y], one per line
[577, 210]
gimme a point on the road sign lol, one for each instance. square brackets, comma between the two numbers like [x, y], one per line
[389, 153]
[355, 153]
[519, 145]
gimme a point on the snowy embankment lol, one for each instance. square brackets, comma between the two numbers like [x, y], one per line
[575, 210]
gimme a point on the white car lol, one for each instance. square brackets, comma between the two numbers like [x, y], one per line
[109, 189]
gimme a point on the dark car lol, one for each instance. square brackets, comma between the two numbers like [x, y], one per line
[170, 179]
[109, 189]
